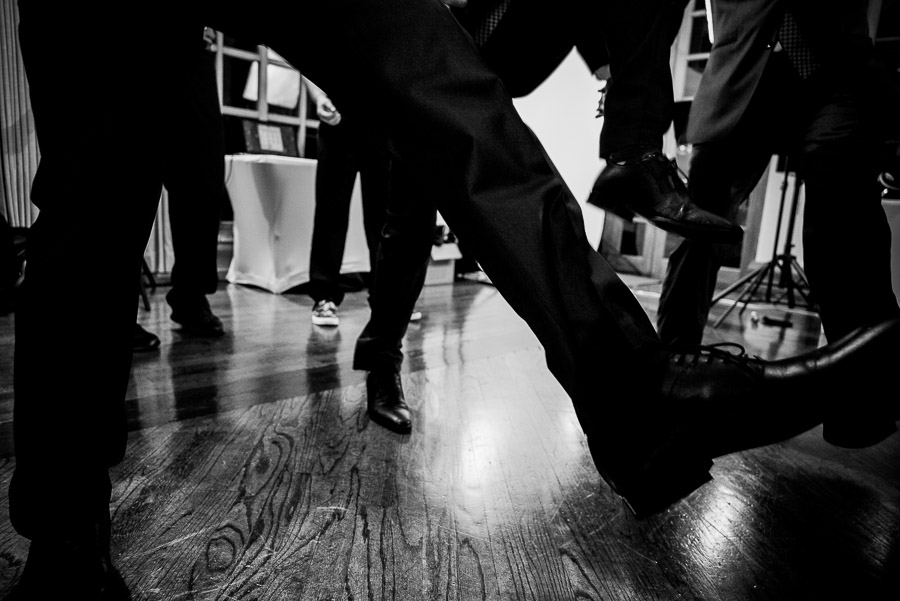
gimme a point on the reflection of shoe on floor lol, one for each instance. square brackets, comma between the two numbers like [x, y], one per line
[194, 315]
[324, 313]
[385, 401]
[144, 340]
[711, 402]
[651, 185]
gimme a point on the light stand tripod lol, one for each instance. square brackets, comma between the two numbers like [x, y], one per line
[784, 263]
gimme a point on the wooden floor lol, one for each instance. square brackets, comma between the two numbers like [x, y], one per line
[253, 473]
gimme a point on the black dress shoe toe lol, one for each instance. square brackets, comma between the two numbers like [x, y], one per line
[195, 316]
[386, 402]
[652, 187]
[708, 401]
[653, 474]
[143, 340]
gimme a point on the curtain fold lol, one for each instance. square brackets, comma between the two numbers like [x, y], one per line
[19, 156]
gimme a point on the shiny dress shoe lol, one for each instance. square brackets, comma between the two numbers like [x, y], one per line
[652, 186]
[77, 566]
[386, 403]
[194, 315]
[712, 401]
[143, 340]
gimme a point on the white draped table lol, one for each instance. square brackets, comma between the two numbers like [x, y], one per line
[273, 198]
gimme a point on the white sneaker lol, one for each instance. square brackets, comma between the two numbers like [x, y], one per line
[416, 315]
[324, 313]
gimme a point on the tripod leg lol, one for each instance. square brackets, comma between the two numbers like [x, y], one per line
[802, 275]
[769, 269]
[787, 280]
[737, 284]
[753, 280]
[142, 290]
[149, 275]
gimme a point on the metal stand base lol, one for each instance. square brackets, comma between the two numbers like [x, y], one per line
[791, 278]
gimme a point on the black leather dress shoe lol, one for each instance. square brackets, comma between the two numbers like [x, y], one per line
[194, 315]
[713, 401]
[652, 186]
[386, 402]
[77, 566]
[143, 340]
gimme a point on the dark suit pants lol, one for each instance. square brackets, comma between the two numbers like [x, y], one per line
[195, 175]
[343, 151]
[400, 269]
[639, 104]
[98, 188]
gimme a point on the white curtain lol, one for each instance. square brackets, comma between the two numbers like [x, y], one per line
[18, 143]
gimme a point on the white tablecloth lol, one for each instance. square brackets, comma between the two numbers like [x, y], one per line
[273, 198]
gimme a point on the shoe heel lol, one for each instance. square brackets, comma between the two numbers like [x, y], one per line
[619, 210]
[655, 490]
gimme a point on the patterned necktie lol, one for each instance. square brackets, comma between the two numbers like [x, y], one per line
[796, 46]
[492, 17]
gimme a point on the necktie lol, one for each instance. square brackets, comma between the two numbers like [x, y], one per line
[491, 18]
[796, 46]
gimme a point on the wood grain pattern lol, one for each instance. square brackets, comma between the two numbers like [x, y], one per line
[253, 472]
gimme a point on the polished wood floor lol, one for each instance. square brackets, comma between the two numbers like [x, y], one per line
[254, 473]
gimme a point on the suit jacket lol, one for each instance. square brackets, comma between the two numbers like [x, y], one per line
[745, 33]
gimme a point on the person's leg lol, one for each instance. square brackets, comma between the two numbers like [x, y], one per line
[639, 104]
[375, 183]
[402, 261]
[8, 270]
[638, 179]
[846, 236]
[336, 169]
[195, 181]
[722, 175]
[845, 230]
[64, 449]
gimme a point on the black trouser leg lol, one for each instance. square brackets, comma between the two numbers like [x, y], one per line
[402, 263]
[97, 205]
[375, 185]
[639, 103]
[846, 235]
[8, 270]
[195, 176]
[336, 169]
[722, 176]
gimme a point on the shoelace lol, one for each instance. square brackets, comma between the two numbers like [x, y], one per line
[677, 177]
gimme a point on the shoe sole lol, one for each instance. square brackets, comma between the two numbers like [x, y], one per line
[200, 332]
[676, 227]
[329, 322]
[146, 348]
[388, 424]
